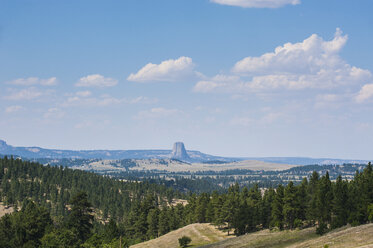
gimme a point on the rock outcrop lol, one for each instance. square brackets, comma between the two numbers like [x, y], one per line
[179, 152]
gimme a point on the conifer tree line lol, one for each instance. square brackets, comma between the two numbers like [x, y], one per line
[53, 187]
[317, 201]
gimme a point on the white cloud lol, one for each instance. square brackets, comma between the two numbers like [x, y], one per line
[311, 64]
[365, 93]
[96, 80]
[156, 113]
[257, 3]
[85, 99]
[34, 81]
[12, 109]
[102, 101]
[307, 57]
[25, 94]
[214, 84]
[168, 71]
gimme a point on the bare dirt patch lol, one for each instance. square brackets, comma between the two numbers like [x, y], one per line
[5, 210]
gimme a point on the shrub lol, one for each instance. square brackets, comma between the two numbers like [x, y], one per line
[321, 229]
[184, 241]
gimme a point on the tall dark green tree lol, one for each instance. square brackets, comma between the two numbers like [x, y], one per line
[340, 210]
[277, 209]
[324, 198]
[80, 218]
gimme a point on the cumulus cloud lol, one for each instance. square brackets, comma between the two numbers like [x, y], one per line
[156, 113]
[96, 80]
[257, 3]
[34, 81]
[311, 64]
[365, 93]
[14, 108]
[171, 70]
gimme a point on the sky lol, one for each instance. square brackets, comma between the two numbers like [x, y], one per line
[227, 77]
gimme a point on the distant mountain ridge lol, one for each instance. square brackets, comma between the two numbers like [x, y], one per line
[38, 152]
[178, 152]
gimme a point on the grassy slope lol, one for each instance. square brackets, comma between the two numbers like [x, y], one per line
[200, 234]
[361, 236]
[207, 236]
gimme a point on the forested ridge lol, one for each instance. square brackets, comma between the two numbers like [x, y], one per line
[137, 212]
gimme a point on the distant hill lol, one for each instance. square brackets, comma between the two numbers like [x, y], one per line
[179, 152]
[38, 152]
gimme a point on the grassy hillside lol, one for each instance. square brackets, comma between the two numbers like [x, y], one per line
[205, 235]
[345, 237]
[200, 234]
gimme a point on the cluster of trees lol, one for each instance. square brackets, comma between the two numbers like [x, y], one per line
[111, 209]
[52, 187]
[315, 201]
[34, 227]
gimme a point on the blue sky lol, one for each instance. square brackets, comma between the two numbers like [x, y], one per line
[227, 77]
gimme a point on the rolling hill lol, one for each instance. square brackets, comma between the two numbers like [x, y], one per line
[205, 235]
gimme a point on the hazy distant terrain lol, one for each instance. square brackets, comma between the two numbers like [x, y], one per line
[169, 165]
[193, 156]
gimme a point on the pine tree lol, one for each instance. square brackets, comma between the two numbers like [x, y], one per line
[80, 217]
[152, 220]
[290, 208]
[340, 211]
[324, 199]
[277, 209]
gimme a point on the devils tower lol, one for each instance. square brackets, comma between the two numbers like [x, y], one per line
[179, 152]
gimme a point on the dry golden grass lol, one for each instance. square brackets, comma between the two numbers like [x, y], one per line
[200, 234]
[346, 237]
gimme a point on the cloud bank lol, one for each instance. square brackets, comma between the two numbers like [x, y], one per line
[311, 64]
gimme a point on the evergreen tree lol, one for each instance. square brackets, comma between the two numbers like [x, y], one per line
[277, 209]
[80, 217]
[153, 220]
[324, 199]
[340, 211]
[290, 205]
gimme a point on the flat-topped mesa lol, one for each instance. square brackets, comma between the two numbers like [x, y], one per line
[179, 152]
